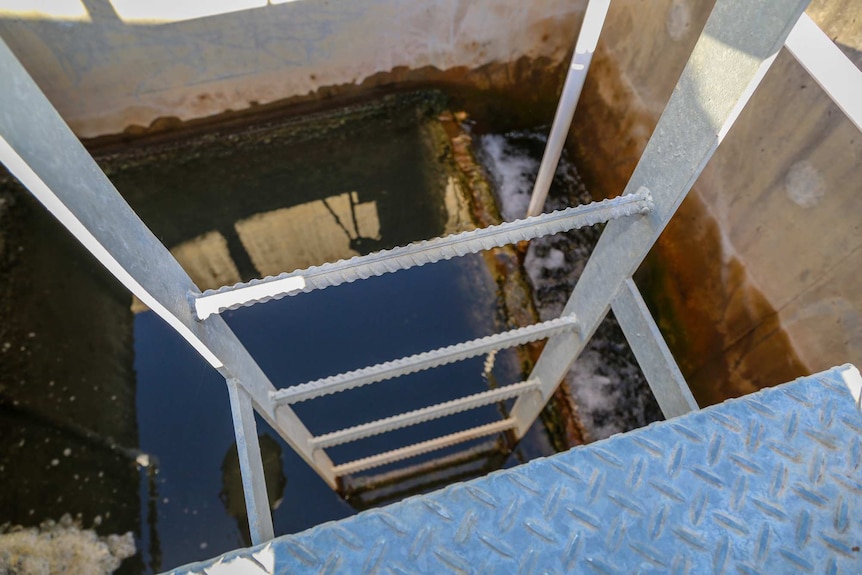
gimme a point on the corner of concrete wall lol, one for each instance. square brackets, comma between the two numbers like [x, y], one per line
[754, 280]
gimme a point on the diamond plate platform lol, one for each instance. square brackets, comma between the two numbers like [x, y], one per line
[769, 483]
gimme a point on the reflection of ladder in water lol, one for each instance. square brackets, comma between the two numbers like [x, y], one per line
[40, 150]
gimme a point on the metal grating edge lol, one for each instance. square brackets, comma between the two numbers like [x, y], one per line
[771, 482]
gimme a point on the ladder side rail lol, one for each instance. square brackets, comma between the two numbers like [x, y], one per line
[250, 464]
[39, 149]
[588, 38]
[830, 68]
[650, 349]
[739, 43]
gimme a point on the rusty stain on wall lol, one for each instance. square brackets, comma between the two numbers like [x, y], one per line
[751, 281]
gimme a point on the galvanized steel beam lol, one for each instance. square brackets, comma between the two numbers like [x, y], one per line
[829, 67]
[734, 52]
[655, 359]
[250, 464]
[588, 38]
[423, 447]
[423, 361]
[39, 149]
[417, 254]
[418, 416]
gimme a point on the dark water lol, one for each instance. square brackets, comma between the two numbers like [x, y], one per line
[183, 410]
[187, 505]
[68, 422]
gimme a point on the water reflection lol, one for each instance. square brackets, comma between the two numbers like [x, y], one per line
[285, 239]
[68, 423]
[232, 495]
[235, 206]
[325, 230]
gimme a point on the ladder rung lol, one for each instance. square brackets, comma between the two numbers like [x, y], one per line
[437, 466]
[422, 415]
[417, 254]
[423, 447]
[366, 490]
[423, 361]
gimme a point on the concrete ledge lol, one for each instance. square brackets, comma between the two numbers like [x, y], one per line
[129, 62]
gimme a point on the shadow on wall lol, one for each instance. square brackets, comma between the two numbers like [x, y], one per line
[111, 64]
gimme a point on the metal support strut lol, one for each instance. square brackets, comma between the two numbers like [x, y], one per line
[588, 39]
[250, 464]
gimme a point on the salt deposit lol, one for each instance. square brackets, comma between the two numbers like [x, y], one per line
[606, 382]
[513, 174]
[62, 547]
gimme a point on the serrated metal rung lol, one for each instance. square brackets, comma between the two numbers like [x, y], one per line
[362, 483]
[417, 254]
[365, 491]
[424, 447]
[423, 361]
[422, 415]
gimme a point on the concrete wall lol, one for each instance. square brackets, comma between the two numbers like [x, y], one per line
[756, 280]
[107, 66]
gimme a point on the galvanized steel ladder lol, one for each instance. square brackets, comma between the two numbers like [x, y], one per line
[734, 52]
